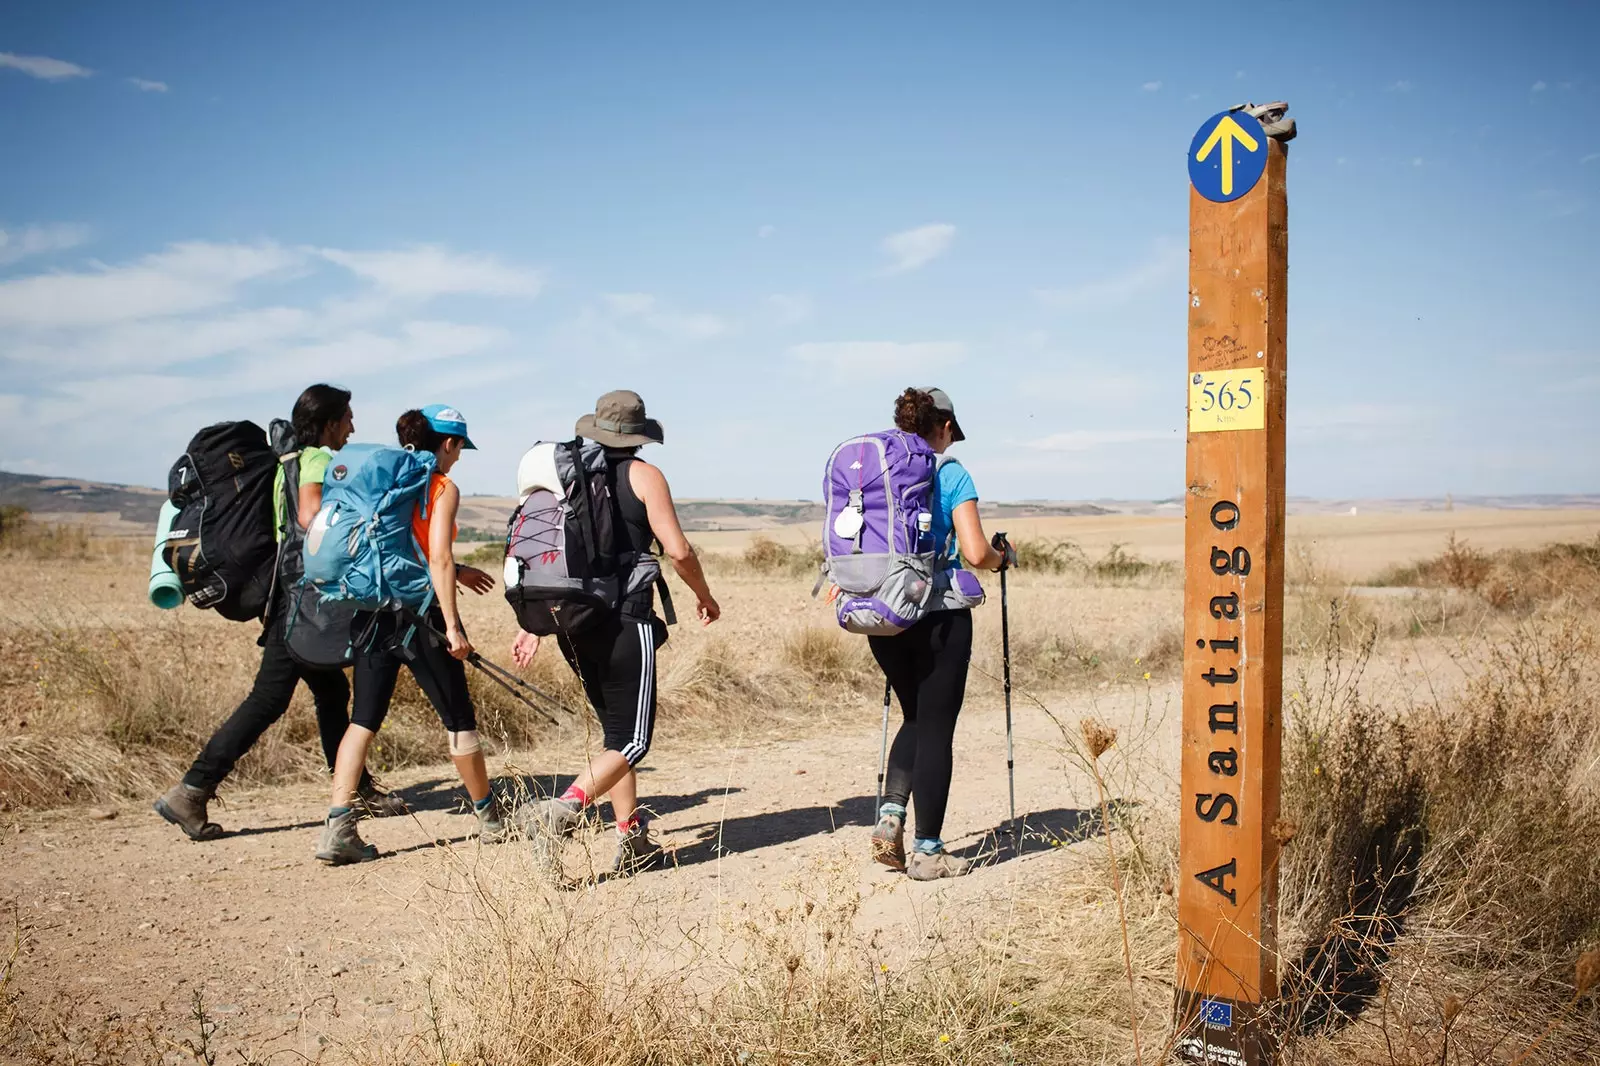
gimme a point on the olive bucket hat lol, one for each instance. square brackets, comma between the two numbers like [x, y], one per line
[619, 421]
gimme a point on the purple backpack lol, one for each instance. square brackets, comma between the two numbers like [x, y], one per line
[876, 488]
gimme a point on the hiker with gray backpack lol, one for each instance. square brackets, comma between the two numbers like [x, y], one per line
[579, 568]
[383, 542]
[902, 518]
[239, 502]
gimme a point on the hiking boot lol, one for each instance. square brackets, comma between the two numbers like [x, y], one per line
[492, 822]
[889, 843]
[549, 819]
[635, 852]
[932, 865]
[544, 824]
[185, 807]
[341, 844]
[374, 802]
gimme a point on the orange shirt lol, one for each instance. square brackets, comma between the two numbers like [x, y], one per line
[420, 526]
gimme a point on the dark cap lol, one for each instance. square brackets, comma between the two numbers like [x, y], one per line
[619, 422]
[942, 404]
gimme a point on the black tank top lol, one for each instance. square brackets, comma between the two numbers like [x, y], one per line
[630, 511]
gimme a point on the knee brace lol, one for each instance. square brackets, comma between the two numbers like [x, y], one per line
[464, 742]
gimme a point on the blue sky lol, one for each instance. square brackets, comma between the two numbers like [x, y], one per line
[767, 219]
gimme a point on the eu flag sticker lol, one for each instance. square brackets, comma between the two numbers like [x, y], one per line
[1215, 1014]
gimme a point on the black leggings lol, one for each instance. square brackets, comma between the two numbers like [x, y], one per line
[380, 652]
[269, 697]
[927, 668]
[616, 661]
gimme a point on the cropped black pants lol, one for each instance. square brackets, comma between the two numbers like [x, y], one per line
[927, 668]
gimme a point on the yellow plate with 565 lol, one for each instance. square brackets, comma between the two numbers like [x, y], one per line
[1225, 400]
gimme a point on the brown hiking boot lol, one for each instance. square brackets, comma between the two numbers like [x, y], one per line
[889, 842]
[185, 807]
[930, 866]
[374, 802]
[341, 844]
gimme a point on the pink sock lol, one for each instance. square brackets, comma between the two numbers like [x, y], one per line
[576, 795]
[624, 828]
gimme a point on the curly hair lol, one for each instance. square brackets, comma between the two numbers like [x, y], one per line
[914, 412]
[416, 432]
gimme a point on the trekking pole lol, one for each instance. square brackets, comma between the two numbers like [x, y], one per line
[1003, 547]
[505, 679]
[883, 752]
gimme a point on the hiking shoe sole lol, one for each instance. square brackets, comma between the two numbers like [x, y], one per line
[890, 853]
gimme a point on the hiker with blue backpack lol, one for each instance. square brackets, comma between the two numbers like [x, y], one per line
[902, 519]
[383, 541]
[240, 558]
[579, 567]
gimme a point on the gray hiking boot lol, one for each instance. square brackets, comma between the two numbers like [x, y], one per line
[549, 819]
[341, 844]
[374, 802]
[889, 842]
[185, 807]
[493, 822]
[544, 824]
[930, 866]
[635, 852]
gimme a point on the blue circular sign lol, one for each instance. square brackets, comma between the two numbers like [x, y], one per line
[1227, 156]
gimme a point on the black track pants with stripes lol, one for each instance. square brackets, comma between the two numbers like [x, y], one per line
[616, 662]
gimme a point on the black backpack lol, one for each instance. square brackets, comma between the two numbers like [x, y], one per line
[316, 631]
[222, 545]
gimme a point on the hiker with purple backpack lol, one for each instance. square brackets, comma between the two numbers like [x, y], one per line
[901, 520]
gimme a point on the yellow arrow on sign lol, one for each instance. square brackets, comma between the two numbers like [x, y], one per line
[1226, 133]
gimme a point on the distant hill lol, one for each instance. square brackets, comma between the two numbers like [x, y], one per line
[130, 509]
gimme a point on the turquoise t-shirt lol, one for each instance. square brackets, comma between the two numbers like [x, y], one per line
[955, 488]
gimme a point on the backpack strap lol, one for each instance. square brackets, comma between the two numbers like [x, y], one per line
[585, 502]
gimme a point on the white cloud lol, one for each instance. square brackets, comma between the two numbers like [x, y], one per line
[766, 231]
[789, 309]
[38, 240]
[1084, 440]
[1151, 86]
[915, 248]
[663, 318]
[1538, 87]
[1401, 86]
[144, 85]
[1590, 158]
[1559, 203]
[43, 67]
[878, 358]
[185, 278]
[1115, 289]
[425, 271]
[1416, 161]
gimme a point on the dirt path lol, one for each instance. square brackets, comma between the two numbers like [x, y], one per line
[123, 921]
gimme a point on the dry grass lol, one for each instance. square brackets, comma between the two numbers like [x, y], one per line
[22, 536]
[1440, 888]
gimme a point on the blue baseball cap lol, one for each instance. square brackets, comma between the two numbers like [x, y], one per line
[448, 421]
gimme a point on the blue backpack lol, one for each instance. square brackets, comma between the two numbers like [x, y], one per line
[360, 548]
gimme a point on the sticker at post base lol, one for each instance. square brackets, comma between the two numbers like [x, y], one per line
[1223, 400]
[1227, 156]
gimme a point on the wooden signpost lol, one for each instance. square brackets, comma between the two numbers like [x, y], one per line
[1233, 592]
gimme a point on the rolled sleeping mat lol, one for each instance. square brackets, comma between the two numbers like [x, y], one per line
[166, 592]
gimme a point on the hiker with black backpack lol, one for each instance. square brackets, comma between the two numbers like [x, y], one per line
[579, 567]
[402, 570]
[902, 518]
[245, 502]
